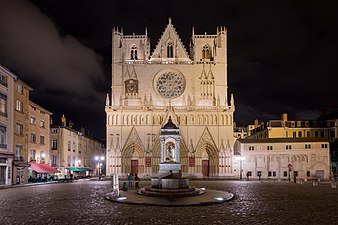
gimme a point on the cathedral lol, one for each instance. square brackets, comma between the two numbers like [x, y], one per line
[153, 86]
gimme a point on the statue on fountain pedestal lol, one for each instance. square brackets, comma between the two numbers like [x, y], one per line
[170, 153]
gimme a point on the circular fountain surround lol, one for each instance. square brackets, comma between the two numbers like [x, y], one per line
[170, 185]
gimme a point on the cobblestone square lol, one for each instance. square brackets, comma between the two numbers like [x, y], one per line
[255, 202]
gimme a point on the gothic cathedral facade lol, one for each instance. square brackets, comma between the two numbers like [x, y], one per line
[149, 86]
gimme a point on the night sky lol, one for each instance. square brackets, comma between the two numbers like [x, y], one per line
[282, 55]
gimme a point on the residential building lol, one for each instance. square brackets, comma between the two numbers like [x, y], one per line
[325, 127]
[285, 128]
[73, 151]
[20, 136]
[283, 158]
[39, 134]
[7, 90]
[151, 86]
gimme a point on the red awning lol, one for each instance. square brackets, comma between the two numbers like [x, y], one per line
[43, 168]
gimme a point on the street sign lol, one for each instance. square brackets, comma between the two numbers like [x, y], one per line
[290, 165]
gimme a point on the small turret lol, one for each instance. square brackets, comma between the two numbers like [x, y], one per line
[232, 101]
[107, 100]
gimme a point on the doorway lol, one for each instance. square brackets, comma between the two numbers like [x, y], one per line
[134, 167]
[2, 175]
[205, 168]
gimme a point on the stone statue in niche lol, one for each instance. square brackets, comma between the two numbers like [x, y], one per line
[170, 152]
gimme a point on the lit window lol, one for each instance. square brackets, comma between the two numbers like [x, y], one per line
[33, 120]
[42, 123]
[18, 153]
[3, 105]
[206, 52]
[42, 140]
[33, 137]
[19, 106]
[54, 144]
[32, 154]
[3, 137]
[19, 88]
[19, 128]
[133, 53]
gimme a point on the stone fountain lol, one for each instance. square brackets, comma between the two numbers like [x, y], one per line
[169, 181]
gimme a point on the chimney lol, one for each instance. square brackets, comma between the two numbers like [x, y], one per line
[82, 130]
[256, 123]
[63, 121]
[284, 117]
[71, 124]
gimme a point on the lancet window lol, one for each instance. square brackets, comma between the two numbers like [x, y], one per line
[170, 50]
[206, 52]
[133, 52]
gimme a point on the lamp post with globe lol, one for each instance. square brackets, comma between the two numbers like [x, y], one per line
[99, 159]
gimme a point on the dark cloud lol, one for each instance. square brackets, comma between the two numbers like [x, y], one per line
[281, 54]
[30, 42]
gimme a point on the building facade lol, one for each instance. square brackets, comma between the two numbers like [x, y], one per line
[7, 87]
[149, 86]
[21, 115]
[285, 128]
[72, 150]
[39, 134]
[283, 158]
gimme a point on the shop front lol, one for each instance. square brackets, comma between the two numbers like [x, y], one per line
[6, 161]
[79, 172]
[39, 172]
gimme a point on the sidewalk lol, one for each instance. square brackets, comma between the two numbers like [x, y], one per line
[25, 185]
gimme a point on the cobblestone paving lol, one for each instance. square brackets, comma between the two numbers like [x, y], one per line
[82, 203]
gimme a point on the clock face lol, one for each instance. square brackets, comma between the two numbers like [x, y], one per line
[170, 84]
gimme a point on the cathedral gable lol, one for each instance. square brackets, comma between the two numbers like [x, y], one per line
[170, 47]
[134, 140]
[207, 143]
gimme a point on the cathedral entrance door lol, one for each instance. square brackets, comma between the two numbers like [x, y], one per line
[205, 168]
[134, 167]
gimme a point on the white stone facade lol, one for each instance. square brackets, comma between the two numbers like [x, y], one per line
[279, 158]
[149, 86]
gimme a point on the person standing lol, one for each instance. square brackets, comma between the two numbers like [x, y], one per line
[137, 182]
[130, 180]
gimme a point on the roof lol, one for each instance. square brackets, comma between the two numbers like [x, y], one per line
[43, 168]
[5, 70]
[170, 124]
[170, 36]
[282, 140]
[39, 107]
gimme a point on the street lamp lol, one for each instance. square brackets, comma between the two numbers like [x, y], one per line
[99, 159]
[240, 159]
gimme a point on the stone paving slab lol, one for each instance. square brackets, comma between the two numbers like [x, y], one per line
[209, 197]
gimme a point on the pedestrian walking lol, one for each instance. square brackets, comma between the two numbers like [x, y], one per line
[130, 180]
